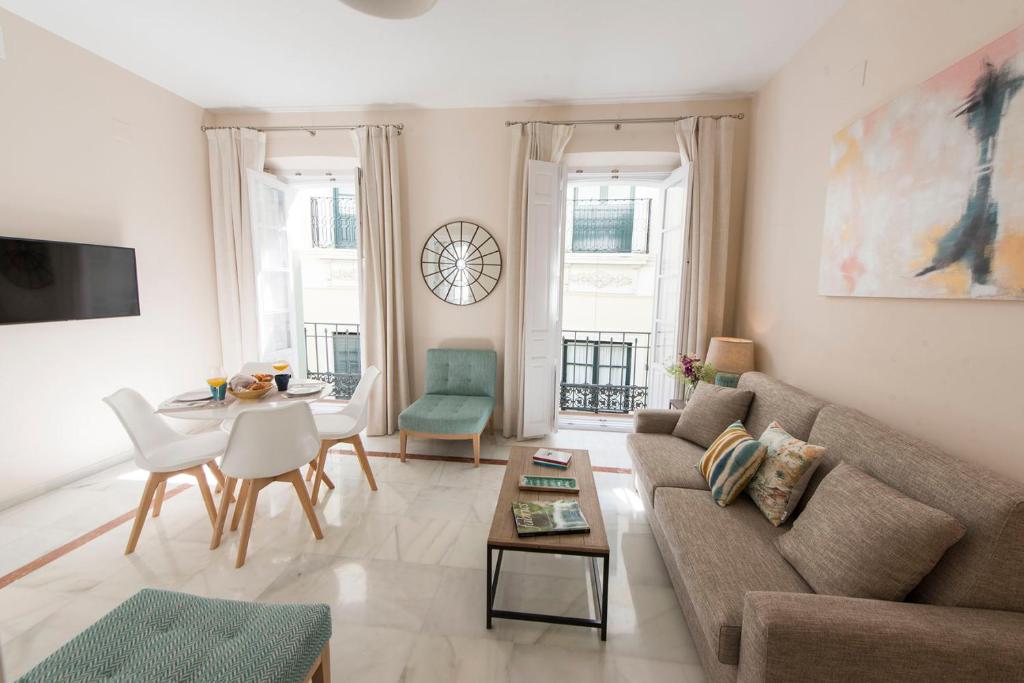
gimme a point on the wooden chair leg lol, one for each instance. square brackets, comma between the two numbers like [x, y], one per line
[250, 512]
[158, 499]
[243, 495]
[402, 436]
[364, 462]
[295, 477]
[476, 450]
[222, 512]
[311, 470]
[322, 668]
[148, 492]
[204, 488]
[219, 476]
[318, 465]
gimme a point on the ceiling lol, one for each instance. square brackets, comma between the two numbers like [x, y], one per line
[321, 54]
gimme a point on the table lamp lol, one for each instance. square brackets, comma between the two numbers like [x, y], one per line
[730, 357]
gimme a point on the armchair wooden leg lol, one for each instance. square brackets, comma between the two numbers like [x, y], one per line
[152, 483]
[204, 489]
[476, 450]
[322, 668]
[364, 462]
[158, 499]
[243, 495]
[295, 476]
[222, 512]
[250, 511]
[402, 436]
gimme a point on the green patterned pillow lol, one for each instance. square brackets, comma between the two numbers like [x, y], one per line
[730, 462]
[788, 465]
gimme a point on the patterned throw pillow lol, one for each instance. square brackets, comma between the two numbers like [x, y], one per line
[783, 478]
[730, 462]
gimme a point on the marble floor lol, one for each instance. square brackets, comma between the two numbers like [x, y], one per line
[402, 569]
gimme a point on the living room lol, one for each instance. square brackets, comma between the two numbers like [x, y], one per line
[221, 428]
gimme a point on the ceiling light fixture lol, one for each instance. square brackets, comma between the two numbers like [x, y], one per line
[392, 9]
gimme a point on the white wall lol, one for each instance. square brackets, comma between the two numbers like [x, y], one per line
[92, 153]
[948, 371]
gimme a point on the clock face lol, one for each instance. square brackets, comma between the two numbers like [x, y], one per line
[461, 263]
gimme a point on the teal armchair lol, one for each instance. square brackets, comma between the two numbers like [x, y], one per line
[459, 402]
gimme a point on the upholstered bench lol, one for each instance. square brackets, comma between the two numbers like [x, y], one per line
[164, 636]
[459, 401]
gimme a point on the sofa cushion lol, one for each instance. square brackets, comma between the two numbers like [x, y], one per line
[664, 460]
[984, 568]
[720, 555]
[788, 466]
[730, 462]
[437, 414]
[793, 408]
[863, 539]
[709, 411]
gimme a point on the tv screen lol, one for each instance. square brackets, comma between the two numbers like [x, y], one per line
[42, 281]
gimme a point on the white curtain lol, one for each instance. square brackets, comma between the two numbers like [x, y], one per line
[539, 142]
[233, 152]
[707, 145]
[381, 310]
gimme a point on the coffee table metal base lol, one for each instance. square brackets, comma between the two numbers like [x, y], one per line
[600, 589]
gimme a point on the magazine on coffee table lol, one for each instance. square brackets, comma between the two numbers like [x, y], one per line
[536, 518]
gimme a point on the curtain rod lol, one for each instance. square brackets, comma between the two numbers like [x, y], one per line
[618, 122]
[312, 130]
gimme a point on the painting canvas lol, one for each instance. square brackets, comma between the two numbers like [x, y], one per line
[926, 194]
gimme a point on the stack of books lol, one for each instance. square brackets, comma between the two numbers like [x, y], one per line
[550, 458]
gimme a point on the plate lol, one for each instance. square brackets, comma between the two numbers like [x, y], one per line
[297, 390]
[190, 396]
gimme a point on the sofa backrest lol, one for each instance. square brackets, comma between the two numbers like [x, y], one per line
[985, 568]
[462, 372]
[793, 408]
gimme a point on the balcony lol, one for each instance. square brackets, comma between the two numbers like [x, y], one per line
[333, 221]
[604, 372]
[610, 226]
[332, 356]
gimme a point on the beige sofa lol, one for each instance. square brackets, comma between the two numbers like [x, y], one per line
[754, 618]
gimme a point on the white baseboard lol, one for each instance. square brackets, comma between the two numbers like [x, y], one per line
[63, 480]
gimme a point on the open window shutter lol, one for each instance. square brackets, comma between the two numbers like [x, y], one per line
[272, 263]
[542, 313]
[668, 289]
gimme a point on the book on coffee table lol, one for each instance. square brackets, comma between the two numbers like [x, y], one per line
[536, 518]
[546, 456]
[536, 482]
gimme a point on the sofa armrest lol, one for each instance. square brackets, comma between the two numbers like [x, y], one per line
[808, 637]
[655, 421]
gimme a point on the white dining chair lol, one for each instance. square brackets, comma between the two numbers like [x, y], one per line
[266, 445]
[345, 426]
[164, 453]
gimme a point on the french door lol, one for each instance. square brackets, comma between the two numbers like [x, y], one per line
[277, 318]
[542, 298]
[665, 344]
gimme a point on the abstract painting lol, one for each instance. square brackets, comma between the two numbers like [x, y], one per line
[926, 193]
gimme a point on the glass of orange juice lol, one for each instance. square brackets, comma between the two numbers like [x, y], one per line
[218, 382]
[280, 365]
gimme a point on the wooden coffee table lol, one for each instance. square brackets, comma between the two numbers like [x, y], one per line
[594, 544]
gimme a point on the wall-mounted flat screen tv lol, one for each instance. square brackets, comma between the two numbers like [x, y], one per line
[42, 281]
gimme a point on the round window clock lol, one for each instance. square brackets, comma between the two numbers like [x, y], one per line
[461, 263]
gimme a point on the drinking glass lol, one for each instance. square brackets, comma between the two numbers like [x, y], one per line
[218, 381]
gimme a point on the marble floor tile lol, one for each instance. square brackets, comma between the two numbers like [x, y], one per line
[437, 658]
[419, 540]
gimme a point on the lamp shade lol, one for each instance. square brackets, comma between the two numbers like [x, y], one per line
[731, 354]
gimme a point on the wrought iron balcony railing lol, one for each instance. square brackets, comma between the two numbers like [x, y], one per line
[332, 356]
[333, 221]
[604, 372]
[610, 225]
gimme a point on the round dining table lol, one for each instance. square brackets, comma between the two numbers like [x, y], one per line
[231, 407]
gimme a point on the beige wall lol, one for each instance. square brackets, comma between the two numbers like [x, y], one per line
[948, 371]
[92, 153]
[455, 164]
